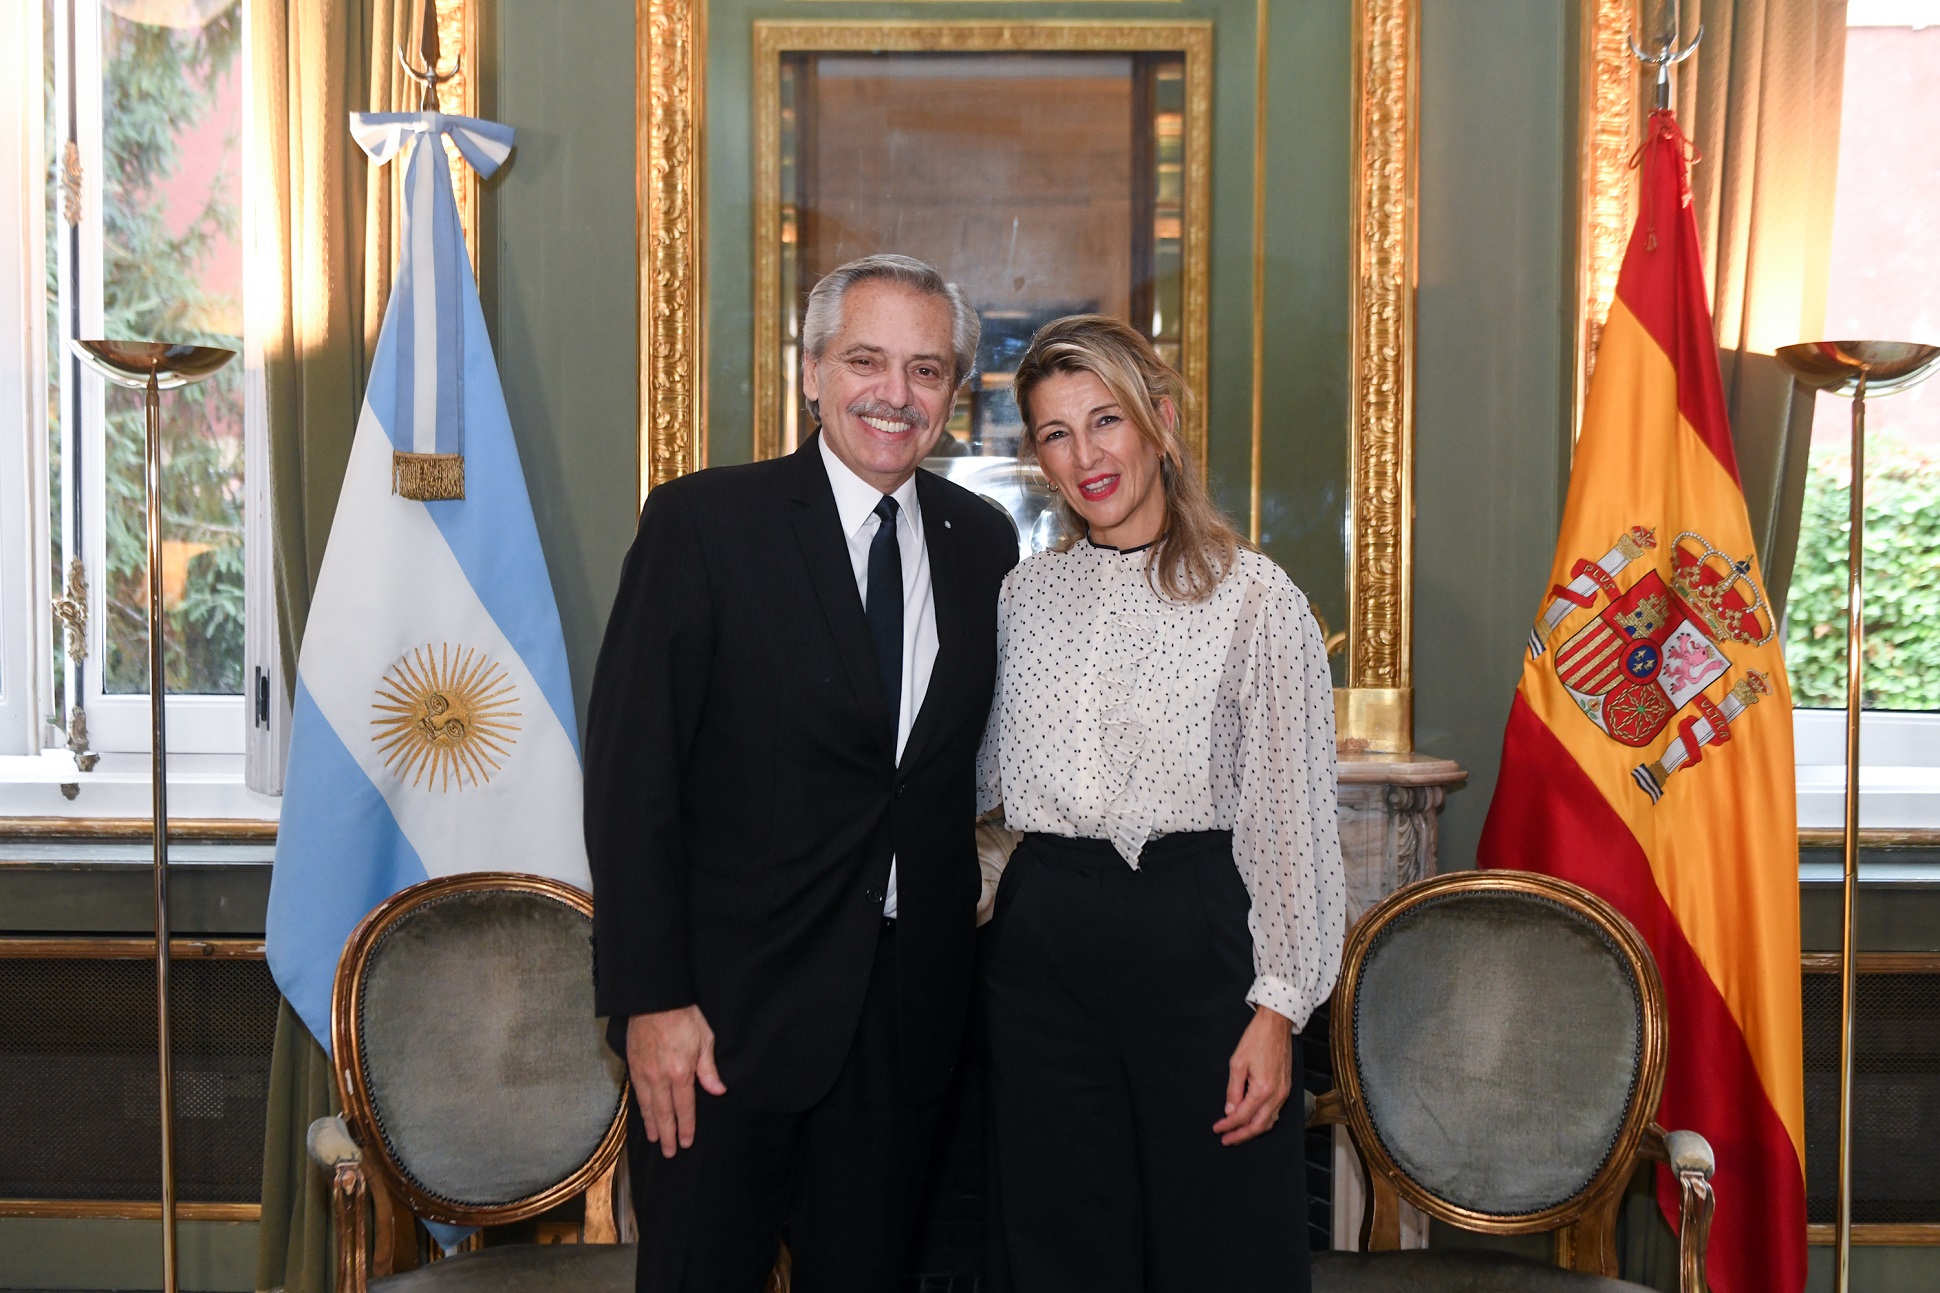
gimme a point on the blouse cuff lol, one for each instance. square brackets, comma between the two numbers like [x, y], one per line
[1283, 997]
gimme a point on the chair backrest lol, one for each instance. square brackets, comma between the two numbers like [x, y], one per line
[1499, 1045]
[466, 1050]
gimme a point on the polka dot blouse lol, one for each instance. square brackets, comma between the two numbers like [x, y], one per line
[1123, 716]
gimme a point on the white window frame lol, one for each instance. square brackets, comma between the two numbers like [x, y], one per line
[1899, 768]
[116, 723]
[222, 738]
[25, 633]
[1899, 750]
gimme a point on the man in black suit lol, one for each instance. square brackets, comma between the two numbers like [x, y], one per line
[780, 810]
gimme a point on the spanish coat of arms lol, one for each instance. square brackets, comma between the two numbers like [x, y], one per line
[1658, 645]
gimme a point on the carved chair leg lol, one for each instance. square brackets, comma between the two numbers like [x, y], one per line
[600, 1226]
[1381, 1227]
[394, 1239]
[623, 1197]
[1589, 1244]
[1693, 1230]
[348, 1199]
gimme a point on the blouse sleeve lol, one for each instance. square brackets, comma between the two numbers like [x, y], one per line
[1286, 834]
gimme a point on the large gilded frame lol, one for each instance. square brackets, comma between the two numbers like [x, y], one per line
[1610, 125]
[1376, 707]
[773, 39]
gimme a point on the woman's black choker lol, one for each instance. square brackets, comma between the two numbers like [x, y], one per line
[1152, 543]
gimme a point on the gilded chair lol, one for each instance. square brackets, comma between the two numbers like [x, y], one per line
[1498, 1047]
[476, 1088]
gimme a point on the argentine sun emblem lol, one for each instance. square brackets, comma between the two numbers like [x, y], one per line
[445, 717]
[1658, 645]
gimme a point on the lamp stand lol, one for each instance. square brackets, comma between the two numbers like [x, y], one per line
[151, 366]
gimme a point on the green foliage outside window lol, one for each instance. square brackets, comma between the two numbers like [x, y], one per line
[158, 85]
[1902, 582]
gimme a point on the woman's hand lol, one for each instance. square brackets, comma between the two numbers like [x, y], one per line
[1259, 1078]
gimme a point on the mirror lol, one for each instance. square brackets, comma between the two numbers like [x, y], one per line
[1046, 176]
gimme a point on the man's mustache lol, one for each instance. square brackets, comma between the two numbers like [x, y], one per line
[909, 415]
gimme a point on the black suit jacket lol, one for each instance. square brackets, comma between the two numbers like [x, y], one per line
[743, 796]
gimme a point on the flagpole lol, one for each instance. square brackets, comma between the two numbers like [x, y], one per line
[1849, 881]
[1853, 368]
[151, 366]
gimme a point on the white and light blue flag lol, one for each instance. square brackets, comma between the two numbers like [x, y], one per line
[433, 729]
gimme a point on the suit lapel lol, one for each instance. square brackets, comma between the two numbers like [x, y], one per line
[948, 589]
[825, 550]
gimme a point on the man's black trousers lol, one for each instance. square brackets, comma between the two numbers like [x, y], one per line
[842, 1181]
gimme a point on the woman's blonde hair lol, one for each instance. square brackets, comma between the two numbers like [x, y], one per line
[1199, 545]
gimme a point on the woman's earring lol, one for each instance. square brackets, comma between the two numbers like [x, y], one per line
[1054, 488]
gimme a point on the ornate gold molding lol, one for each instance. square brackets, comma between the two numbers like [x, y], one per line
[1608, 107]
[670, 63]
[772, 39]
[1380, 564]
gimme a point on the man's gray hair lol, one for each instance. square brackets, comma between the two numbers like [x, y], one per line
[823, 317]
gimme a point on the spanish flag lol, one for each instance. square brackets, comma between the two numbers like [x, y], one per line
[1649, 750]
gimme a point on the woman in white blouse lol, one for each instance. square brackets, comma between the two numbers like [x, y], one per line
[1163, 737]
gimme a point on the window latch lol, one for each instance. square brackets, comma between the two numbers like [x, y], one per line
[262, 697]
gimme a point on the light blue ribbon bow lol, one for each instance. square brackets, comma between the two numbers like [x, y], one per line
[433, 271]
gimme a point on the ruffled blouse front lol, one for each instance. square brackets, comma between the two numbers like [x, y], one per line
[1123, 716]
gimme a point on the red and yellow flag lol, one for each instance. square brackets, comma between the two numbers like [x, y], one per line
[1649, 750]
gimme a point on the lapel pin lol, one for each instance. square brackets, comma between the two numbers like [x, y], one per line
[946, 525]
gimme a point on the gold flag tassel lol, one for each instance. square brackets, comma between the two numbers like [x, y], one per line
[428, 476]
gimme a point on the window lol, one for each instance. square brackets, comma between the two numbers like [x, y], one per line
[128, 216]
[1884, 283]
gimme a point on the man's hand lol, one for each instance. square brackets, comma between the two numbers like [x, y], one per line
[665, 1053]
[1259, 1078]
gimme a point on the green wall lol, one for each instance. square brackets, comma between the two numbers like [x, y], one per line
[560, 291]
[47, 1253]
[1491, 394]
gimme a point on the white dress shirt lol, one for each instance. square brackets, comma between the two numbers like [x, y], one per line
[1122, 716]
[855, 504]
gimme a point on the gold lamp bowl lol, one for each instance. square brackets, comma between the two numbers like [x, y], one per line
[1838, 366]
[133, 363]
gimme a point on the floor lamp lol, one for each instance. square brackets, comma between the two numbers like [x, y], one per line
[153, 367]
[1856, 369]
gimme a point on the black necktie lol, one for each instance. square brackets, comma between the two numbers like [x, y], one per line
[884, 606]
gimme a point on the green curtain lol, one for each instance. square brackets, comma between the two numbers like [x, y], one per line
[1761, 101]
[324, 244]
[293, 1239]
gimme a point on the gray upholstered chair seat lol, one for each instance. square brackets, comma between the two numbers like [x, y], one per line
[523, 1268]
[1453, 1270]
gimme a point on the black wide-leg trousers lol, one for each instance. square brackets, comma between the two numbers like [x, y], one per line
[1114, 1001]
[842, 1181]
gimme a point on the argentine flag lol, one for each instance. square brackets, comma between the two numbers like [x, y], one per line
[433, 728]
